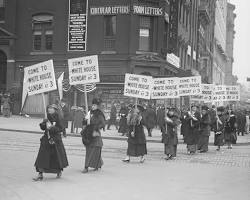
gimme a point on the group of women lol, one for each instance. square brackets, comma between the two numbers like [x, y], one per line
[195, 126]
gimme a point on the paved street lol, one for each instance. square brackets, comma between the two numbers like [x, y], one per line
[215, 175]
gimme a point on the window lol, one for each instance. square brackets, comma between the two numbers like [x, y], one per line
[42, 26]
[145, 33]
[109, 32]
[2, 10]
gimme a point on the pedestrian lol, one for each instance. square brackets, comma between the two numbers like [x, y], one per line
[212, 114]
[230, 129]
[247, 122]
[219, 128]
[136, 137]
[66, 115]
[160, 116]
[123, 126]
[170, 138]
[6, 105]
[205, 129]
[79, 118]
[185, 124]
[149, 117]
[52, 156]
[95, 123]
[240, 121]
[193, 128]
[112, 118]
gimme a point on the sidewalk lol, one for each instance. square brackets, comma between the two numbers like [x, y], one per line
[31, 125]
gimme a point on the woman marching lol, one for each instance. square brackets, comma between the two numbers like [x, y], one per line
[51, 157]
[136, 137]
[93, 143]
[230, 129]
[193, 128]
[205, 129]
[219, 128]
[170, 138]
[123, 127]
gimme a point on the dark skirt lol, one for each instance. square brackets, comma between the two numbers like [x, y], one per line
[93, 157]
[219, 139]
[51, 158]
[136, 150]
[230, 138]
[203, 143]
[170, 149]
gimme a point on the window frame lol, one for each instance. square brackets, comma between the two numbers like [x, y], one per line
[44, 27]
[109, 38]
[151, 31]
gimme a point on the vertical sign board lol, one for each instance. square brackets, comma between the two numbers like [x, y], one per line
[40, 78]
[189, 86]
[206, 94]
[164, 88]
[83, 70]
[138, 86]
[77, 25]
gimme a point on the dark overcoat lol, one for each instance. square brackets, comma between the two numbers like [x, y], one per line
[205, 125]
[51, 156]
[192, 135]
[123, 127]
[149, 118]
[170, 137]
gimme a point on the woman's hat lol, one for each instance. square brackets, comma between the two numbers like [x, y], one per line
[96, 101]
[204, 107]
[139, 107]
[53, 106]
[221, 109]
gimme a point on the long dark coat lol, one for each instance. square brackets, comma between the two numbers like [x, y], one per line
[51, 157]
[171, 138]
[160, 117]
[113, 113]
[205, 125]
[192, 135]
[219, 131]
[185, 125]
[230, 130]
[65, 119]
[149, 118]
[123, 126]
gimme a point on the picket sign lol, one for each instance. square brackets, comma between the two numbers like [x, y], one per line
[84, 70]
[164, 88]
[138, 86]
[189, 86]
[206, 95]
[38, 79]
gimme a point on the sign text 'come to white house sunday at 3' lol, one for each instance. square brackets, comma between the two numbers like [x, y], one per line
[83, 70]
[138, 86]
[40, 78]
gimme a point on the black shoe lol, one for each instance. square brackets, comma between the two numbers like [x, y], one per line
[38, 178]
[126, 160]
[85, 171]
[59, 175]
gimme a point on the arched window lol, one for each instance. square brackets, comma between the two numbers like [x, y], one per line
[42, 27]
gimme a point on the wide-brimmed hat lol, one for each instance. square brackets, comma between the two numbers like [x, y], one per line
[139, 107]
[221, 109]
[53, 106]
[204, 107]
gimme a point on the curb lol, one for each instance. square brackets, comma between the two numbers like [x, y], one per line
[109, 137]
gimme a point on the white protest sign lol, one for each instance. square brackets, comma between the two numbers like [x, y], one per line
[206, 94]
[83, 70]
[233, 93]
[138, 86]
[40, 78]
[164, 88]
[219, 93]
[190, 86]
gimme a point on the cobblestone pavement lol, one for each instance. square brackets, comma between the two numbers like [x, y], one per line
[239, 156]
[215, 175]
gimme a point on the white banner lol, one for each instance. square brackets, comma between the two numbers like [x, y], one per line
[233, 93]
[190, 86]
[164, 88]
[206, 94]
[83, 70]
[40, 78]
[138, 86]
